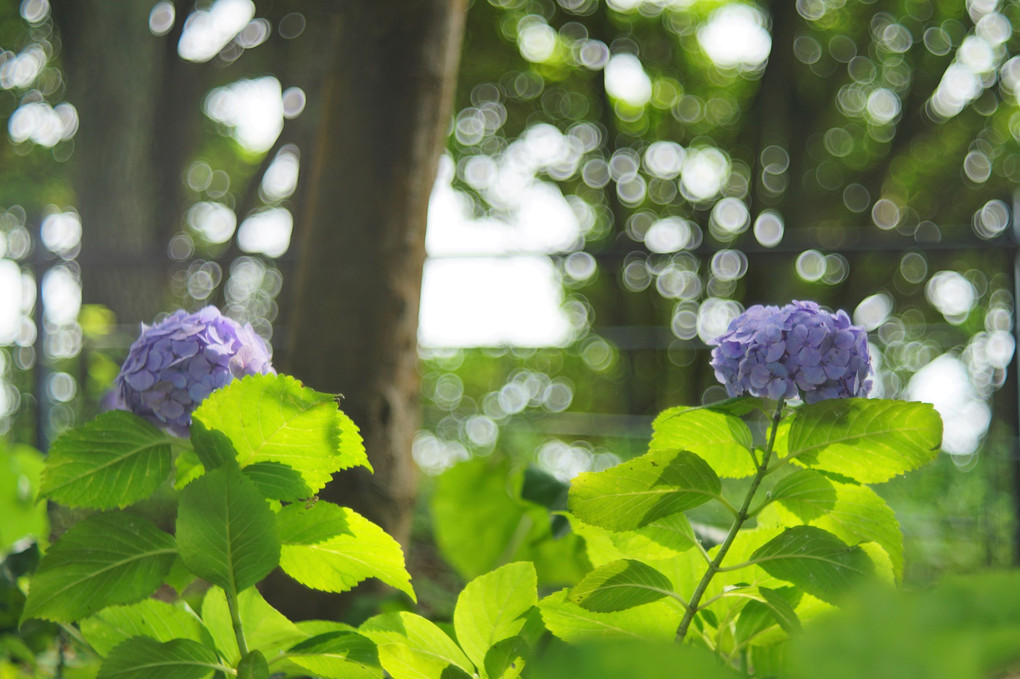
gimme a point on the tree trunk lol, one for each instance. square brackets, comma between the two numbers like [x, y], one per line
[113, 66]
[386, 103]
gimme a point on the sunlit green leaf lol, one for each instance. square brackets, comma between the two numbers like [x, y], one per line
[738, 406]
[869, 440]
[758, 616]
[473, 541]
[815, 560]
[620, 585]
[145, 658]
[274, 418]
[338, 655]
[747, 541]
[568, 621]
[412, 646]
[226, 532]
[112, 461]
[150, 618]
[851, 512]
[333, 548]
[781, 602]
[769, 659]
[265, 628]
[637, 492]
[187, 468]
[107, 559]
[731, 588]
[23, 515]
[493, 607]
[755, 617]
[662, 539]
[507, 658]
[884, 569]
[860, 515]
[313, 628]
[480, 522]
[719, 438]
[805, 493]
[352, 446]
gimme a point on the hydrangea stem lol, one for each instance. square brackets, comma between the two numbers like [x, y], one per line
[235, 620]
[738, 521]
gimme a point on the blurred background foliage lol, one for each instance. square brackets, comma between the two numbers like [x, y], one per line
[622, 178]
[716, 155]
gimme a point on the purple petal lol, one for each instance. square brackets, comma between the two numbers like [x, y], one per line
[775, 352]
[141, 380]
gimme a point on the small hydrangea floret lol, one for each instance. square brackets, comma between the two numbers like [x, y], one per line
[799, 349]
[176, 363]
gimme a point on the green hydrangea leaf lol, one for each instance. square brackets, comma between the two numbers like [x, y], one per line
[868, 440]
[814, 560]
[265, 628]
[226, 532]
[149, 618]
[781, 602]
[493, 607]
[663, 539]
[212, 447]
[413, 646]
[638, 492]
[145, 658]
[806, 494]
[338, 655]
[853, 513]
[187, 468]
[23, 515]
[179, 577]
[478, 515]
[568, 621]
[113, 461]
[758, 616]
[719, 438]
[274, 418]
[104, 560]
[619, 585]
[755, 617]
[333, 548]
[352, 445]
[506, 658]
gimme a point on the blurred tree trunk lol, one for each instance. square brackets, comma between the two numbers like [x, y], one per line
[126, 168]
[386, 102]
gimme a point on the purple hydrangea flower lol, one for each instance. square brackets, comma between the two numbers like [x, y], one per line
[176, 363]
[797, 349]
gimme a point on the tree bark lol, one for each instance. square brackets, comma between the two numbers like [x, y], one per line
[386, 103]
[113, 66]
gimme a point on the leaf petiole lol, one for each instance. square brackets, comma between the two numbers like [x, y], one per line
[732, 591]
[235, 621]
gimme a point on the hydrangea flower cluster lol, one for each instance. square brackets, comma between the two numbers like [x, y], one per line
[800, 349]
[176, 363]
